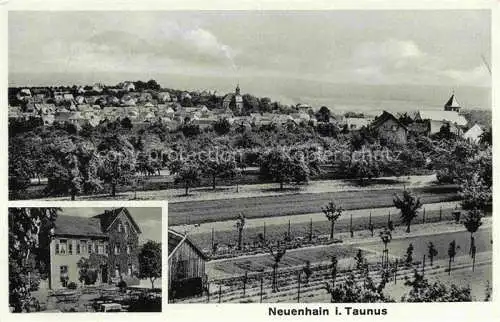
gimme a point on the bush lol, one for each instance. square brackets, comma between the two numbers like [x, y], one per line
[122, 285]
[72, 285]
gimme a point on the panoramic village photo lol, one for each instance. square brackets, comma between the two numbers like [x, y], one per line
[85, 259]
[306, 156]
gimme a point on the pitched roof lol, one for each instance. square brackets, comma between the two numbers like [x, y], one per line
[452, 102]
[448, 116]
[384, 117]
[78, 226]
[109, 216]
[175, 239]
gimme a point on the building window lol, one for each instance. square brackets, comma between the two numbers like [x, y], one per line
[106, 248]
[117, 248]
[70, 247]
[129, 270]
[120, 227]
[96, 248]
[90, 249]
[63, 273]
[100, 250]
[126, 227]
[117, 270]
[63, 246]
[57, 247]
[128, 249]
[394, 128]
[83, 245]
[78, 249]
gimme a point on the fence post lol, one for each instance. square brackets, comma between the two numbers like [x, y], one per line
[213, 251]
[245, 283]
[298, 288]
[208, 292]
[440, 213]
[423, 217]
[423, 267]
[289, 231]
[350, 227]
[310, 230]
[261, 287]
[396, 271]
[370, 220]
[220, 292]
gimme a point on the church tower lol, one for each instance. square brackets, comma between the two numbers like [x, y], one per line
[238, 99]
[452, 104]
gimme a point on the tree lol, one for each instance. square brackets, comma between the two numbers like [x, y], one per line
[409, 205]
[219, 167]
[277, 254]
[240, 224]
[190, 130]
[189, 175]
[72, 167]
[26, 227]
[452, 251]
[222, 126]
[117, 162]
[364, 168]
[307, 271]
[332, 213]
[432, 251]
[323, 114]
[126, 123]
[360, 260]
[475, 193]
[472, 223]
[359, 291]
[150, 261]
[386, 237]
[423, 291]
[278, 166]
[409, 255]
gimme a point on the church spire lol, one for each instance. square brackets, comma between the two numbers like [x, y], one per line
[237, 89]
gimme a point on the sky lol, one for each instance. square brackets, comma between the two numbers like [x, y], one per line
[148, 218]
[272, 53]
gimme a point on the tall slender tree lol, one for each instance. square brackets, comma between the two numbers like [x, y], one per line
[332, 212]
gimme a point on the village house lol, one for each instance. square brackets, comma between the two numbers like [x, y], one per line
[186, 266]
[111, 238]
[356, 123]
[437, 119]
[128, 86]
[390, 128]
[474, 133]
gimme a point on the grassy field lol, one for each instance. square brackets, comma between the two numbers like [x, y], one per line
[277, 232]
[282, 205]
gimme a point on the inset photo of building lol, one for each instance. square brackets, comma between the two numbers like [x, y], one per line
[88, 259]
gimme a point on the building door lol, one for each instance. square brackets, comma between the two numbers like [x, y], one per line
[63, 273]
[104, 273]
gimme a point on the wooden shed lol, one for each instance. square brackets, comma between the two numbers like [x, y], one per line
[186, 266]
